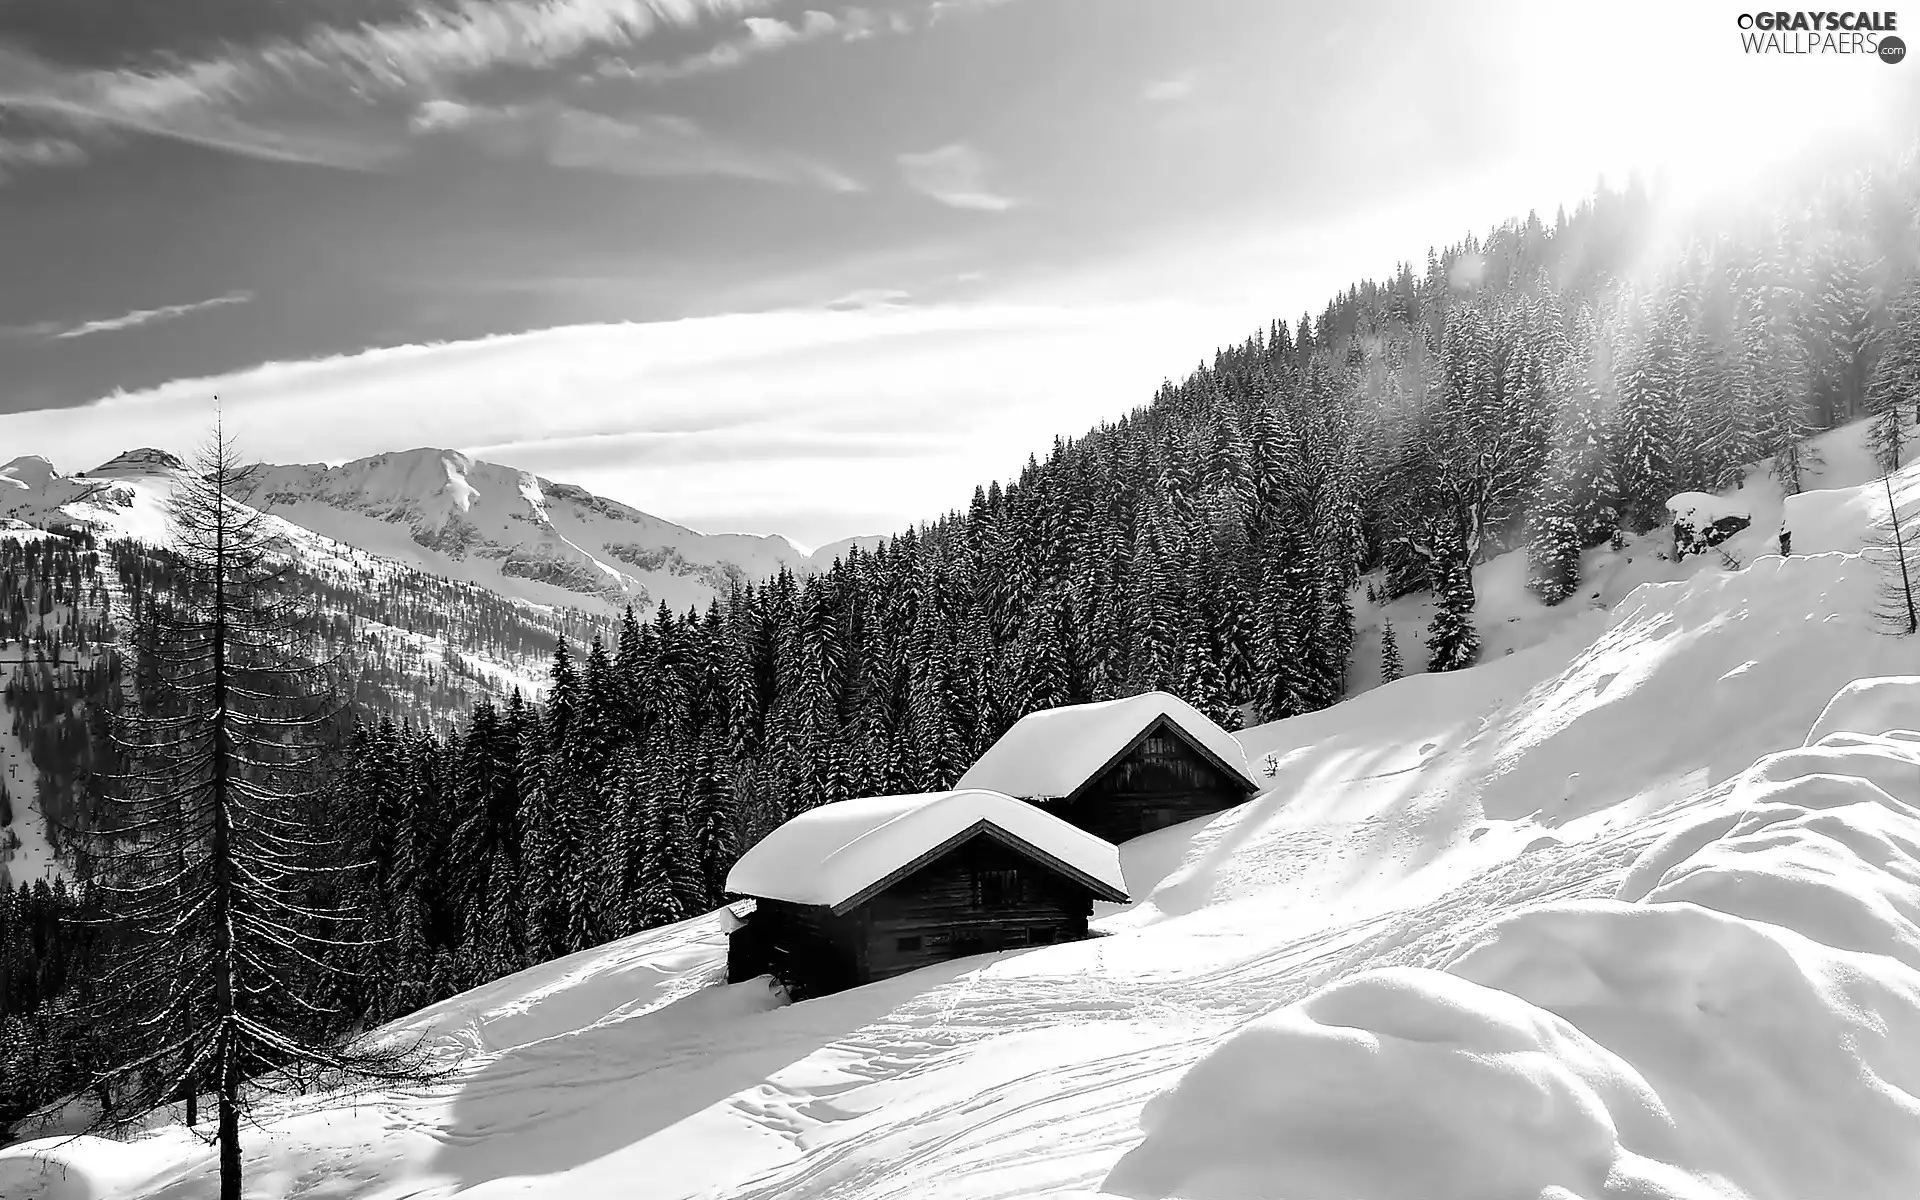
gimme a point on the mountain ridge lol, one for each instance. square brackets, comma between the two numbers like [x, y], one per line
[446, 513]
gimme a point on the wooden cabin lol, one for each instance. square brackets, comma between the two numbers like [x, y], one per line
[863, 890]
[1119, 768]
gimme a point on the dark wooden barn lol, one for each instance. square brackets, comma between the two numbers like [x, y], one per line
[1119, 768]
[864, 890]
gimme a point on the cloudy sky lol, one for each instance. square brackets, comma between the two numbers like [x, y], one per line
[810, 268]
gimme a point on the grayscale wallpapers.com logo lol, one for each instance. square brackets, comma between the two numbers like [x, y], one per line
[1796, 33]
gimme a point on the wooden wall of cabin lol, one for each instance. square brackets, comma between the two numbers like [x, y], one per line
[1162, 782]
[979, 898]
[807, 948]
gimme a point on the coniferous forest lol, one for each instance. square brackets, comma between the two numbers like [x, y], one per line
[1536, 389]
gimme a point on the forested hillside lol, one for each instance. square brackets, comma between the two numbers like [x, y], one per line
[407, 646]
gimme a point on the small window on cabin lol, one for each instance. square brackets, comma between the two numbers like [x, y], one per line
[995, 889]
[1042, 935]
[907, 943]
[1013, 937]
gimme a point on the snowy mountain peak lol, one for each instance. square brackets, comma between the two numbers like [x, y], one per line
[27, 473]
[144, 461]
[444, 513]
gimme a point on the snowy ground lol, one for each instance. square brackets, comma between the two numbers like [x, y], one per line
[1631, 913]
[1511, 618]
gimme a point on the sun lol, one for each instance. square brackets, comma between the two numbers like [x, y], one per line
[1671, 92]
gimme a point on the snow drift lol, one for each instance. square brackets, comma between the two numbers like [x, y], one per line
[1743, 1019]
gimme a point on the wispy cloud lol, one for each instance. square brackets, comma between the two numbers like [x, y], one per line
[865, 298]
[1166, 91]
[39, 152]
[60, 331]
[939, 10]
[762, 36]
[647, 144]
[955, 175]
[905, 407]
[309, 98]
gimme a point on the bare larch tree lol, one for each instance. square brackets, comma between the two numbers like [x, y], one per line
[215, 867]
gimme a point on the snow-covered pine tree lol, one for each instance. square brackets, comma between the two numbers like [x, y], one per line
[1553, 541]
[1043, 675]
[1718, 390]
[1895, 387]
[1153, 646]
[714, 831]
[1582, 446]
[1777, 365]
[1202, 683]
[1649, 385]
[1391, 667]
[1453, 642]
[659, 899]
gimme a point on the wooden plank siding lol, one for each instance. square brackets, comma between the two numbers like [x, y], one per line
[980, 896]
[806, 947]
[1161, 780]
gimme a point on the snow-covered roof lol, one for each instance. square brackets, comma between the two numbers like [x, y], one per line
[832, 854]
[1053, 752]
[1703, 508]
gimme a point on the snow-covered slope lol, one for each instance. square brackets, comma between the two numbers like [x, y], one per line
[1633, 912]
[510, 530]
[1511, 618]
[123, 497]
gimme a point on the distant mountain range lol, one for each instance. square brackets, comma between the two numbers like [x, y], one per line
[442, 513]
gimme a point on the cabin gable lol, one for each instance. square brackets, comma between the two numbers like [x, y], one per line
[1161, 778]
[980, 897]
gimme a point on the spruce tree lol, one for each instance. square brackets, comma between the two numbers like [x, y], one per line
[1553, 543]
[1453, 642]
[1390, 665]
[1895, 386]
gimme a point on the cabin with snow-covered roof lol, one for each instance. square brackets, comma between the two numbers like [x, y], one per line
[862, 890]
[1119, 768]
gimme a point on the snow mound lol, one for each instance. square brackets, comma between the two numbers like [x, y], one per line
[1869, 705]
[1398, 1084]
[1743, 1018]
[830, 854]
[1847, 518]
[1703, 508]
[1702, 521]
[1052, 752]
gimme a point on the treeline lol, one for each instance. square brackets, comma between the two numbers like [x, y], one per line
[408, 645]
[534, 832]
